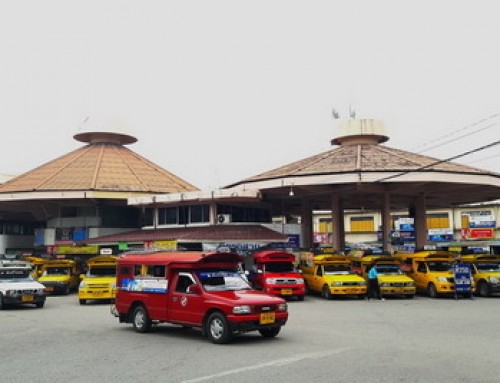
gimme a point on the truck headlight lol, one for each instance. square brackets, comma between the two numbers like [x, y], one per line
[494, 280]
[384, 284]
[241, 309]
[442, 279]
[82, 285]
[271, 281]
[300, 281]
[336, 283]
[282, 307]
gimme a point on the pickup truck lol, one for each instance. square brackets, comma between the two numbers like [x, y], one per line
[17, 287]
[194, 290]
[332, 275]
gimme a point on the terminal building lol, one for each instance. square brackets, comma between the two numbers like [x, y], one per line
[104, 199]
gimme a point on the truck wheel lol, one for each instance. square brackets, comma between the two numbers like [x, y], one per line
[325, 293]
[300, 297]
[218, 329]
[431, 290]
[66, 290]
[1, 301]
[270, 332]
[140, 319]
[40, 304]
[483, 289]
[83, 301]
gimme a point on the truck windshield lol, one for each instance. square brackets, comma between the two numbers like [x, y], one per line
[488, 266]
[56, 271]
[279, 267]
[440, 266]
[388, 270]
[96, 272]
[222, 281]
[337, 269]
[13, 275]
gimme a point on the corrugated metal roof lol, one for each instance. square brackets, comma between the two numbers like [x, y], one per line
[192, 234]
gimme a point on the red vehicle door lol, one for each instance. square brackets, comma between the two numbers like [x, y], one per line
[185, 306]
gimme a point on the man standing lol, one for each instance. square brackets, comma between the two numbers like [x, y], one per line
[373, 286]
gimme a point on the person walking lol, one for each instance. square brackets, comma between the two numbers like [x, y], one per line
[373, 286]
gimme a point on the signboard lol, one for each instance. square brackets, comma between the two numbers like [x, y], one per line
[106, 251]
[437, 235]
[77, 250]
[320, 237]
[478, 233]
[482, 221]
[165, 245]
[405, 224]
[462, 278]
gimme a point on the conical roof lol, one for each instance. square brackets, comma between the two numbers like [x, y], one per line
[362, 169]
[364, 158]
[102, 165]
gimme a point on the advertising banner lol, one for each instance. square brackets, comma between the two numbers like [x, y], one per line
[462, 278]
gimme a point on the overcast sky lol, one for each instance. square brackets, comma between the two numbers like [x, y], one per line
[217, 91]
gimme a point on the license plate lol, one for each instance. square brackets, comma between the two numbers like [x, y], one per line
[286, 291]
[399, 291]
[266, 318]
[27, 298]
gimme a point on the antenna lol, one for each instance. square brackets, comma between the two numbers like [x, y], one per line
[352, 112]
[335, 114]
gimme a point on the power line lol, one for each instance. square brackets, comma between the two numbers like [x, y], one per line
[441, 161]
[446, 136]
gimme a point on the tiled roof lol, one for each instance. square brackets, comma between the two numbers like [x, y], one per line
[201, 233]
[364, 158]
[99, 167]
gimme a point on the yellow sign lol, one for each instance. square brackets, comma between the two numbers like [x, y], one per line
[77, 250]
[165, 245]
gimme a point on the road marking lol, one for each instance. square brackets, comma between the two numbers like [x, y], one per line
[273, 363]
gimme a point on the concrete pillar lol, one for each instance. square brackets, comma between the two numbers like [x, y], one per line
[338, 230]
[386, 222]
[307, 224]
[420, 222]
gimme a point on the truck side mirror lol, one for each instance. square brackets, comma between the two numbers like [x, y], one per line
[194, 289]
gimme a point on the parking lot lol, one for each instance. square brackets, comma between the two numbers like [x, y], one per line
[342, 340]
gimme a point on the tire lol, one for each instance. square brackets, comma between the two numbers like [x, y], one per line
[40, 305]
[431, 291]
[483, 289]
[325, 293]
[362, 296]
[140, 319]
[217, 328]
[83, 301]
[66, 290]
[300, 297]
[1, 302]
[270, 332]
[409, 296]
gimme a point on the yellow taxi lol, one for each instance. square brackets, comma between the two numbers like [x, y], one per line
[432, 271]
[391, 280]
[331, 275]
[99, 282]
[485, 272]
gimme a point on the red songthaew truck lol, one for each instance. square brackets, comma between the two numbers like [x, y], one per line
[194, 289]
[274, 272]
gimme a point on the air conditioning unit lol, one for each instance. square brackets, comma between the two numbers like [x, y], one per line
[223, 218]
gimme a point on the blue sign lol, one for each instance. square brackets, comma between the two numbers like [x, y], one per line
[462, 278]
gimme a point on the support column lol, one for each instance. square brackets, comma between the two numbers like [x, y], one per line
[420, 222]
[307, 224]
[338, 230]
[386, 222]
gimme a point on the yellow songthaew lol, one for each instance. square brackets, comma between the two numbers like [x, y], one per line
[99, 282]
